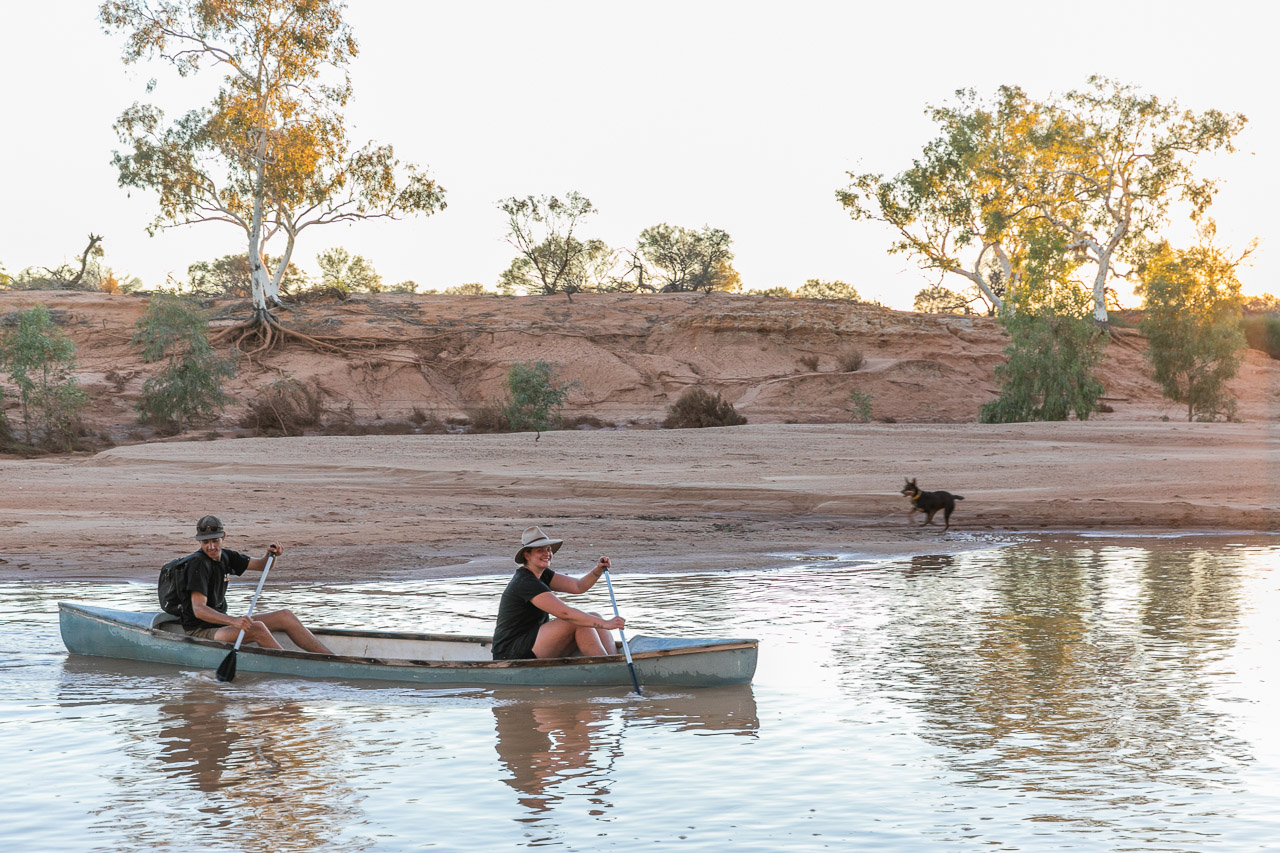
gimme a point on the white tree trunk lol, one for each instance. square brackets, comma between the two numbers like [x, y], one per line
[278, 275]
[257, 271]
[1100, 289]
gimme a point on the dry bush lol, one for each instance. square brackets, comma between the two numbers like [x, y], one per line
[319, 294]
[286, 407]
[697, 408]
[850, 361]
[583, 422]
[488, 417]
[428, 422]
[809, 362]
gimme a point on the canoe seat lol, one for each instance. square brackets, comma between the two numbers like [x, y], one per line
[167, 622]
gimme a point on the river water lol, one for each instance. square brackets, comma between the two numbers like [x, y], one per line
[1088, 694]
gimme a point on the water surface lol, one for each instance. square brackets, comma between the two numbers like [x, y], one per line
[1086, 695]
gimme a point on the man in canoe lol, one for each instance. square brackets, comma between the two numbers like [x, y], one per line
[204, 607]
[534, 623]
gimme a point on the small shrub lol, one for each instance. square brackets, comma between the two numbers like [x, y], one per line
[286, 407]
[809, 362]
[697, 408]
[535, 396]
[188, 388]
[7, 439]
[850, 361]
[39, 359]
[861, 402]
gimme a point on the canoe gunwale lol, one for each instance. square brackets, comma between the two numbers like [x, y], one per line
[103, 616]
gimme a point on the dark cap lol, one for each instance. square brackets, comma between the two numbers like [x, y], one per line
[209, 527]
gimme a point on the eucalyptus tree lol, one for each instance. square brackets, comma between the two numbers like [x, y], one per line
[551, 257]
[270, 154]
[957, 211]
[1192, 319]
[1102, 168]
[684, 260]
[1111, 167]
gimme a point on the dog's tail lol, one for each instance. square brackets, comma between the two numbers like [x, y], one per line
[958, 497]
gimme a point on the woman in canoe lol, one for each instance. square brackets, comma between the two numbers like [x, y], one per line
[534, 623]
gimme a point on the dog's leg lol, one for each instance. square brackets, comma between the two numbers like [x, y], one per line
[931, 514]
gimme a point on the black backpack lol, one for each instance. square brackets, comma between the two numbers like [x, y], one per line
[172, 586]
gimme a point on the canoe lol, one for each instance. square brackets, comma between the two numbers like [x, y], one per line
[396, 656]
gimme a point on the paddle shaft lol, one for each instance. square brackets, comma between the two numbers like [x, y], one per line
[626, 650]
[270, 559]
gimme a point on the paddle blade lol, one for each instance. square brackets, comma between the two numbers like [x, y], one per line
[227, 669]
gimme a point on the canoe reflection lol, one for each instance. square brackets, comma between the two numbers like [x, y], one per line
[563, 744]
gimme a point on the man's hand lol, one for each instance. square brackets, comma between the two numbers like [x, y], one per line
[275, 549]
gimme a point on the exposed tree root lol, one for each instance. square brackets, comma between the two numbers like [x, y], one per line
[263, 333]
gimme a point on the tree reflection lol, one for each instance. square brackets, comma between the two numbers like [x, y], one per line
[1073, 674]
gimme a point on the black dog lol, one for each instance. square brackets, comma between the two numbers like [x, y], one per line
[930, 502]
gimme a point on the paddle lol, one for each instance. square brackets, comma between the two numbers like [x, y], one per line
[623, 634]
[227, 669]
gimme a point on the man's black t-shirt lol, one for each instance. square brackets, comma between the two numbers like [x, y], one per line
[518, 617]
[210, 578]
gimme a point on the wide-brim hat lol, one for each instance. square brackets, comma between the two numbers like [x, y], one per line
[533, 537]
[209, 527]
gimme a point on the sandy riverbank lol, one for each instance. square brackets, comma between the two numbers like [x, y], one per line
[421, 506]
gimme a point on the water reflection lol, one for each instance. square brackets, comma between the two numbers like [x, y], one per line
[1074, 674]
[1074, 695]
[557, 745]
[258, 767]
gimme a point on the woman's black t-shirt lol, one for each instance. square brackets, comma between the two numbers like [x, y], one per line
[518, 618]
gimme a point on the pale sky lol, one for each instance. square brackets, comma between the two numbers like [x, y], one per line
[741, 116]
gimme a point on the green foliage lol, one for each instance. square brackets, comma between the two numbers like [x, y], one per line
[861, 402]
[1265, 302]
[5, 280]
[39, 359]
[551, 257]
[1262, 331]
[471, 288]
[697, 408]
[7, 439]
[1099, 166]
[1054, 349]
[188, 388]
[779, 291]
[818, 289]
[347, 273]
[940, 300]
[683, 260]
[536, 396]
[269, 153]
[1192, 320]
[230, 276]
